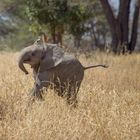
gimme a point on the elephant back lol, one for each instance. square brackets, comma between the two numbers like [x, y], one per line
[52, 56]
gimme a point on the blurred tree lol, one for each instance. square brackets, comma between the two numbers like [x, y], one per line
[99, 29]
[119, 26]
[50, 14]
[57, 16]
[78, 15]
[96, 25]
[135, 28]
[14, 25]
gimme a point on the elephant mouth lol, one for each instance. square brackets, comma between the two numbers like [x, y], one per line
[27, 60]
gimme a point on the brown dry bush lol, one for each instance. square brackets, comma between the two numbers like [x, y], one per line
[108, 103]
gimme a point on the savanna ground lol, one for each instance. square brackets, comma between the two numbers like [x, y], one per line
[108, 107]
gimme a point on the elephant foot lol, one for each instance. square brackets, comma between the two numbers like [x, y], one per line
[33, 98]
[72, 103]
[36, 96]
[39, 97]
[72, 98]
[61, 94]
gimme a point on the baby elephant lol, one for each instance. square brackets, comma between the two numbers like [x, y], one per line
[53, 68]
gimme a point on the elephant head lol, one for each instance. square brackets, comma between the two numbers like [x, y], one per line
[45, 56]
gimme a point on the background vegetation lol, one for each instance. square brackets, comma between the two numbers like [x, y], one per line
[108, 100]
[108, 103]
[92, 24]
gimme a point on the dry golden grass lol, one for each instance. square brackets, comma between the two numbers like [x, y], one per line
[108, 108]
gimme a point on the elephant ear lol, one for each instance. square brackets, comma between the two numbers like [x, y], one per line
[52, 57]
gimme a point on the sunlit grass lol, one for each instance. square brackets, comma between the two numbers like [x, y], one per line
[108, 103]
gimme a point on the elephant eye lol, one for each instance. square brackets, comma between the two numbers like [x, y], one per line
[38, 40]
[33, 53]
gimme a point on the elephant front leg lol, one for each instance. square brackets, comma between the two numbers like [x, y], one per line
[37, 91]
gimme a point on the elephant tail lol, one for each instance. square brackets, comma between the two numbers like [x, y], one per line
[94, 66]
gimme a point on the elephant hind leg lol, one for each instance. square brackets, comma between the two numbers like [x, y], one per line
[72, 96]
[72, 99]
[60, 89]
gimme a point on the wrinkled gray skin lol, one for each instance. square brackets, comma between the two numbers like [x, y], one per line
[53, 68]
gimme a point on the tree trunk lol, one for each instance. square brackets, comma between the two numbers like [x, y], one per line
[53, 32]
[59, 38]
[59, 34]
[119, 26]
[93, 34]
[114, 28]
[123, 19]
[134, 27]
[77, 41]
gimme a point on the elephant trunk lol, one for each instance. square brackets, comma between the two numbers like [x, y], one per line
[21, 66]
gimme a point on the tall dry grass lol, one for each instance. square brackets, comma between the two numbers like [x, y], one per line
[108, 108]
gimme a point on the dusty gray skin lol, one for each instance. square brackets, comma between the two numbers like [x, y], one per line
[53, 68]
